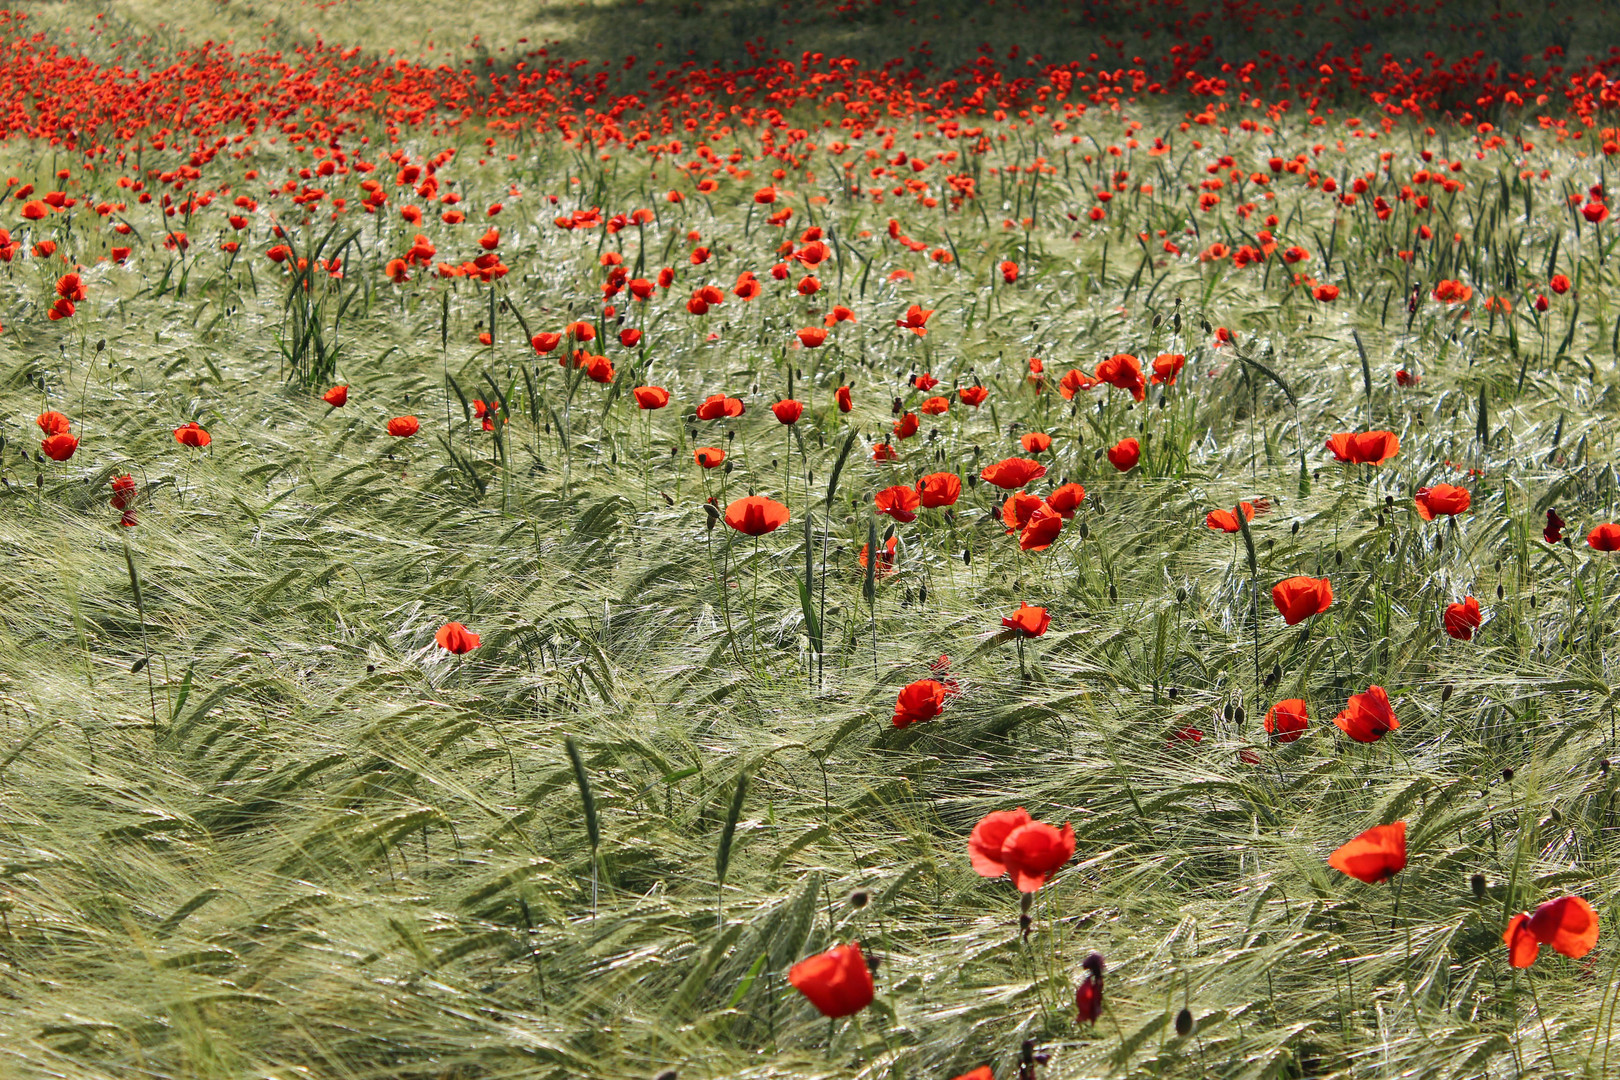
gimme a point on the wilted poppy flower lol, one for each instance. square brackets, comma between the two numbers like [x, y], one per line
[1028, 621]
[756, 515]
[1041, 529]
[1166, 366]
[899, 502]
[1406, 378]
[1012, 473]
[1124, 371]
[403, 427]
[456, 638]
[939, 489]
[1124, 454]
[1376, 855]
[60, 447]
[1364, 448]
[1605, 537]
[972, 395]
[1036, 442]
[53, 423]
[1226, 520]
[788, 411]
[1016, 510]
[1286, 720]
[709, 456]
[1367, 717]
[718, 406]
[192, 435]
[1461, 620]
[1568, 924]
[650, 397]
[837, 982]
[1298, 598]
[841, 396]
[1554, 531]
[1441, 499]
[337, 397]
[919, 701]
[1088, 996]
[1066, 500]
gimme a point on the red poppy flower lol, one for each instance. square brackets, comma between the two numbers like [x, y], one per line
[885, 561]
[60, 447]
[1166, 366]
[1554, 531]
[1125, 372]
[718, 406]
[53, 423]
[841, 396]
[1036, 442]
[1041, 529]
[1367, 717]
[972, 395]
[1017, 509]
[899, 502]
[1012, 473]
[1568, 924]
[883, 453]
[337, 397]
[1453, 292]
[1559, 284]
[983, 1072]
[1028, 621]
[1325, 294]
[906, 426]
[837, 982]
[545, 342]
[1226, 520]
[813, 337]
[650, 397]
[935, 406]
[939, 489]
[788, 411]
[915, 320]
[709, 457]
[1461, 620]
[1441, 499]
[1595, 212]
[599, 369]
[1605, 537]
[456, 638]
[1073, 382]
[192, 435]
[123, 496]
[1124, 454]
[1298, 598]
[919, 701]
[1066, 500]
[403, 427]
[1286, 720]
[1364, 448]
[71, 287]
[1376, 855]
[987, 838]
[756, 515]
[629, 337]
[1009, 271]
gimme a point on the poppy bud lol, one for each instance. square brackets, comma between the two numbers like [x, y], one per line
[370, 668]
[1113, 594]
[727, 466]
[1184, 1022]
[1499, 592]
[714, 515]
[101, 345]
[1439, 543]
[922, 594]
[1477, 883]
[1507, 774]
[667, 1074]
[1445, 693]
[859, 898]
[1295, 529]
[1338, 558]
[1392, 549]
[1085, 531]
[967, 557]
[1171, 693]
[1238, 714]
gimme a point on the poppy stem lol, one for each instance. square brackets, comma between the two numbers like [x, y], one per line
[1542, 1019]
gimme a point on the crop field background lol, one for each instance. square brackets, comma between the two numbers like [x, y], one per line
[326, 326]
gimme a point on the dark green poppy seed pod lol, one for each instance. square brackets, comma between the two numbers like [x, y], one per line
[1445, 693]
[859, 898]
[1184, 1022]
[1477, 884]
